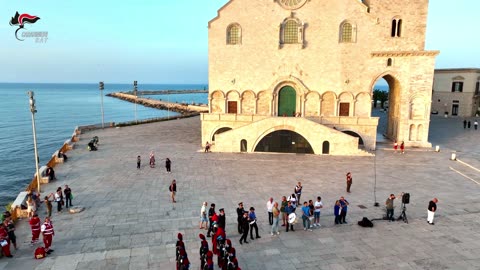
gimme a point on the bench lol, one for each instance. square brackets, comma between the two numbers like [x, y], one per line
[43, 175]
[69, 144]
[18, 203]
[57, 159]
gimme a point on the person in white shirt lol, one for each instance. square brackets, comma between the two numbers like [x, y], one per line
[293, 200]
[270, 210]
[316, 213]
[203, 216]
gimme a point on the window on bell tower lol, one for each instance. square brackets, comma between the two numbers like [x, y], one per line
[234, 34]
[396, 27]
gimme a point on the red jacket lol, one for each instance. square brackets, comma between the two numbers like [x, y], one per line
[3, 234]
[35, 223]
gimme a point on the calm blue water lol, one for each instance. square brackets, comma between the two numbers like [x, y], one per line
[60, 108]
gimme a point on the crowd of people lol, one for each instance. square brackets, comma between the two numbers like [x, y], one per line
[7, 227]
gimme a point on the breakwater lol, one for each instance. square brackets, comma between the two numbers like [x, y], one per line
[182, 108]
[167, 92]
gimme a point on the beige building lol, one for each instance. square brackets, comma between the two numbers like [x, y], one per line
[297, 75]
[456, 92]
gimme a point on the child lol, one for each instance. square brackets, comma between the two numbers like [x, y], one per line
[139, 161]
[152, 160]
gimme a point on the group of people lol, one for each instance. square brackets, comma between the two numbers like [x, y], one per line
[7, 233]
[62, 198]
[168, 162]
[402, 147]
[469, 124]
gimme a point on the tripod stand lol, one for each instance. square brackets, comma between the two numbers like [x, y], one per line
[403, 215]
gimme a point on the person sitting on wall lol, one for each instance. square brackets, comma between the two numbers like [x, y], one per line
[50, 173]
[62, 155]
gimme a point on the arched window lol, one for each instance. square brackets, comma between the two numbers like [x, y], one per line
[346, 33]
[234, 34]
[292, 32]
[389, 62]
[396, 28]
[243, 145]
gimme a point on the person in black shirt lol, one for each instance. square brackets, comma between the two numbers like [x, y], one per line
[211, 212]
[68, 196]
[221, 219]
[239, 217]
[168, 165]
[432, 208]
[245, 227]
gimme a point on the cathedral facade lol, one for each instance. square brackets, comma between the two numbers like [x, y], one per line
[298, 75]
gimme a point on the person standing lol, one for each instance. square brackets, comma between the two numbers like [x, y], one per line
[48, 204]
[402, 147]
[253, 223]
[289, 210]
[68, 196]
[293, 200]
[283, 211]
[316, 214]
[395, 147]
[48, 233]
[152, 159]
[245, 227]
[207, 147]
[298, 192]
[139, 162]
[211, 213]
[464, 123]
[240, 211]
[59, 199]
[349, 181]
[173, 190]
[35, 226]
[8, 223]
[31, 207]
[337, 210]
[475, 124]
[4, 241]
[469, 124]
[203, 216]
[221, 218]
[432, 208]
[343, 213]
[389, 206]
[276, 218]
[306, 216]
[269, 210]
[168, 165]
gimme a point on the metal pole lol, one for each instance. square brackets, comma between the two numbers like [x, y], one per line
[101, 104]
[375, 177]
[33, 111]
[168, 105]
[135, 93]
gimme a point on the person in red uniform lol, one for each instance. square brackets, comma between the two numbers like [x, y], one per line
[209, 264]
[48, 233]
[203, 250]
[180, 248]
[219, 236]
[35, 226]
[4, 241]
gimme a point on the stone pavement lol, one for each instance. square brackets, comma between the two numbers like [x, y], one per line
[129, 222]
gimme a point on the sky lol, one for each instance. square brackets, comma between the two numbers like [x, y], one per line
[160, 41]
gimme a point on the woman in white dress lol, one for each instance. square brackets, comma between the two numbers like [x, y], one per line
[31, 207]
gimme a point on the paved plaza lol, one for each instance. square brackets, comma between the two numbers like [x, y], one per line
[130, 223]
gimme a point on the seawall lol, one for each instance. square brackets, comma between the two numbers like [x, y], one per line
[160, 104]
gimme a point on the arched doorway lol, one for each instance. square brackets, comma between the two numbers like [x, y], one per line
[220, 130]
[284, 141]
[326, 147]
[386, 106]
[351, 133]
[287, 101]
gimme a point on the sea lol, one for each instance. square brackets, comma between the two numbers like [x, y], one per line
[60, 108]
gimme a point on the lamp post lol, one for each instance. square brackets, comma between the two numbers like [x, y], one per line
[33, 110]
[375, 177]
[135, 93]
[101, 86]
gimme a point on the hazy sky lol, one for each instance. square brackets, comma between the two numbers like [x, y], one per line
[162, 41]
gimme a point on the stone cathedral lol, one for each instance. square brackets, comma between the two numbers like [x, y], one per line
[297, 76]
